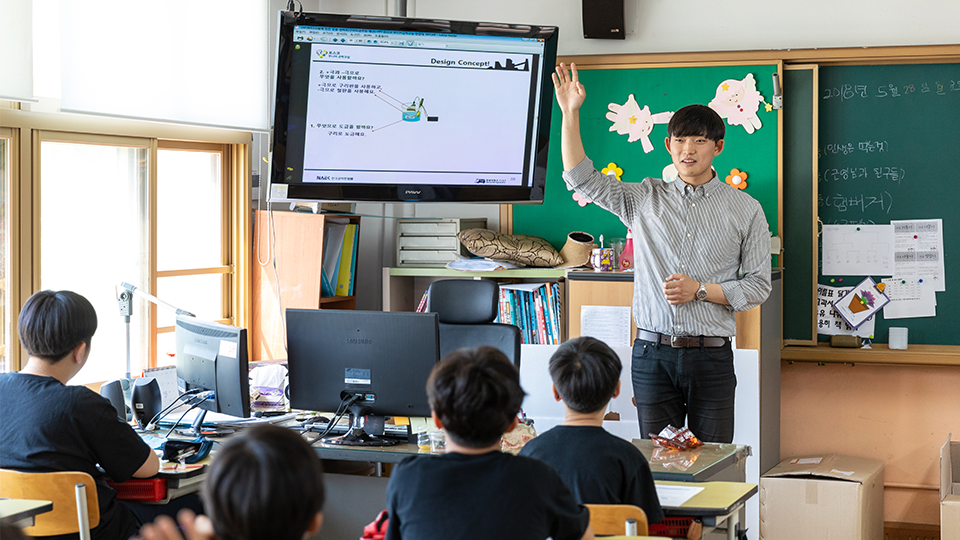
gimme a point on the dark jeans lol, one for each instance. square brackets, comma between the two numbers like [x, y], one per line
[696, 383]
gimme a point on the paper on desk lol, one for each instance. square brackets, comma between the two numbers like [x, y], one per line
[610, 324]
[167, 380]
[909, 297]
[676, 495]
[858, 250]
[919, 250]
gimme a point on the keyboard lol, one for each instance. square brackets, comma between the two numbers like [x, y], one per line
[390, 431]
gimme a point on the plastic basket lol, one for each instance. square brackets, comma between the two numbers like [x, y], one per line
[674, 527]
[140, 489]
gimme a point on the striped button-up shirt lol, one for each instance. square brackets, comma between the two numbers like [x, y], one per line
[713, 233]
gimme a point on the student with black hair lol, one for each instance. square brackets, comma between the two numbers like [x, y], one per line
[474, 490]
[266, 482]
[701, 252]
[48, 426]
[599, 468]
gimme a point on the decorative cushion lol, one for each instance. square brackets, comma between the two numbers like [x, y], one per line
[521, 248]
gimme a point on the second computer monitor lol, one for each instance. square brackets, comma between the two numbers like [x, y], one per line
[383, 356]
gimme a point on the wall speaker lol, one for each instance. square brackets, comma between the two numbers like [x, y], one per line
[603, 19]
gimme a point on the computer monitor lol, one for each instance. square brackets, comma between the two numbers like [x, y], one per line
[213, 357]
[373, 362]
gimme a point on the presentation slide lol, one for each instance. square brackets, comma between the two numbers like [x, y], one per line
[379, 115]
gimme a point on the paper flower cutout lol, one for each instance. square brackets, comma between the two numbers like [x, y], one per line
[738, 102]
[629, 119]
[582, 201]
[737, 178]
[612, 170]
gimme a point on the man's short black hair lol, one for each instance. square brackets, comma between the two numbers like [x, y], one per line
[476, 394]
[585, 372]
[697, 121]
[266, 482]
[53, 323]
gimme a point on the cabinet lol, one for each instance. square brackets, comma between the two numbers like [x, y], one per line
[289, 277]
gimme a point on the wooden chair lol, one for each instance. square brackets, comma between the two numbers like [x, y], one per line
[76, 507]
[611, 519]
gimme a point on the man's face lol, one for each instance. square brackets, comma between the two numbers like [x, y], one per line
[693, 157]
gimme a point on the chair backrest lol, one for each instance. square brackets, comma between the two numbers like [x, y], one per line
[611, 519]
[57, 487]
[467, 308]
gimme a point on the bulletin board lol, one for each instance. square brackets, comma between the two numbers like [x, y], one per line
[660, 89]
[887, 147]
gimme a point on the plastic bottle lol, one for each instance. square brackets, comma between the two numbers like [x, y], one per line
[626, 257]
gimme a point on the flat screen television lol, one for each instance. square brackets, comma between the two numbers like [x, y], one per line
[212, 356]
[411, 110]
[377, 361]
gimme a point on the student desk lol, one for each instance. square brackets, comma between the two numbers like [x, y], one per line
[712, 461]
[21, 512]
[355, 501]
[719, 503]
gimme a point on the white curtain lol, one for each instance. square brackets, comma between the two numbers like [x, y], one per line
[179, 61]
[16, 50]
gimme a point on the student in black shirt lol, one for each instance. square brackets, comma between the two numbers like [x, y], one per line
[48, 426]
[598, 467]
[475, 490]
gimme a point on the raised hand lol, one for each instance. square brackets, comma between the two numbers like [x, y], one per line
[570, 93]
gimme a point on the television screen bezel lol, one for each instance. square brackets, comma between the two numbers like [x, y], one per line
[416, 193]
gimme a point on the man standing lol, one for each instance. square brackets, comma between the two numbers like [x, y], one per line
[701, 252]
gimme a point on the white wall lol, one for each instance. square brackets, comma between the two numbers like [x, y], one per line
[708, 25]
[655, 26]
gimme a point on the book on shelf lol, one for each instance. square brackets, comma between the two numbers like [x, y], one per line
[332, 248]
[534, 308]
[347, 262]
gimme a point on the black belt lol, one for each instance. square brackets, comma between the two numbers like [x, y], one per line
[681, 342]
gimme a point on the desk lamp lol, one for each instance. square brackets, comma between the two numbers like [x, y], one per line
[120, 392]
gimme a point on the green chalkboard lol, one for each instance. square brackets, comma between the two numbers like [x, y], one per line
[888, 138]
[662, 89]
[800, 258]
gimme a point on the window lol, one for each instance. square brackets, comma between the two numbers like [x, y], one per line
[193, 265]
[94, 234]
[103, 201]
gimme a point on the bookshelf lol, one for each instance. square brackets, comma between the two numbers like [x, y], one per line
[404, 287]
[298, 253]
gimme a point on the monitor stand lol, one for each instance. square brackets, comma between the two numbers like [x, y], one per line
[197, 430]
[356, 436]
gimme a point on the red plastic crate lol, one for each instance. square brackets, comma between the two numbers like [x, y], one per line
[140, 489]
[674, 527]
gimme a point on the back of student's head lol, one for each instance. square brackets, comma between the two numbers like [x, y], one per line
[476, 394]
[585, 372]
[266, 482]
[696, 121]
[53, 323]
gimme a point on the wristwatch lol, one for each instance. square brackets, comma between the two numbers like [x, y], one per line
[702, 292]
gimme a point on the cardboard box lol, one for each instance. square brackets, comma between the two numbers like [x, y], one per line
[950, 489]
[824, 497]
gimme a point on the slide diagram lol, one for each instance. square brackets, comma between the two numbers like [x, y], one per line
[413, 111]
[858, 250]
[397, 119]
